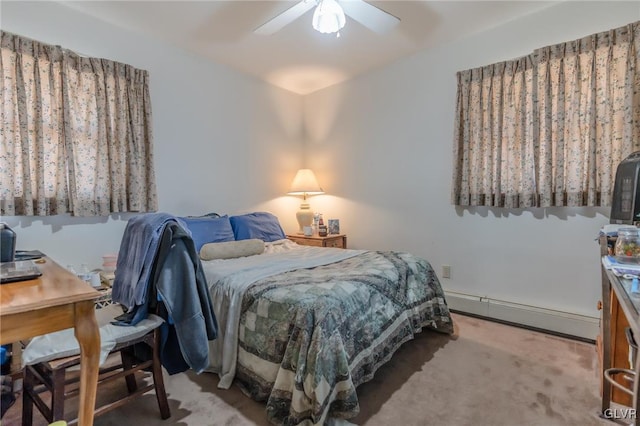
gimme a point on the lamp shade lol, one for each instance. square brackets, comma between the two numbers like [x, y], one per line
[328, 17]
[305, 183]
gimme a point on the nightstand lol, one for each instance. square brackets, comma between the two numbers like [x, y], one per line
[335, 240]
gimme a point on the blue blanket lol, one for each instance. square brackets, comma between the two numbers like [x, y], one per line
[158, 261]
[138, 249]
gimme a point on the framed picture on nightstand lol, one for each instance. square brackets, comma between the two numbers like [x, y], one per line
[334, 226]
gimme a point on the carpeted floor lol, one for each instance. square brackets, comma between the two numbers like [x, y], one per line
[486, 374]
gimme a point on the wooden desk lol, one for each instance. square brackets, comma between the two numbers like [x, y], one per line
[52, 302]
[616, 292]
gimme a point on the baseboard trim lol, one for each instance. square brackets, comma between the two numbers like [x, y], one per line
[558, 323]
[526, 327]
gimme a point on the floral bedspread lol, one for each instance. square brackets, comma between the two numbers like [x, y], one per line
[309, 337]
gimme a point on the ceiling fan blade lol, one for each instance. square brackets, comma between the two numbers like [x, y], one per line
[377, 20]
[285, 18]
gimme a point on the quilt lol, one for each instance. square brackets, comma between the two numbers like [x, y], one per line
[307, 337]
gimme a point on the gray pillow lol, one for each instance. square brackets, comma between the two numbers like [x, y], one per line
[231, 249]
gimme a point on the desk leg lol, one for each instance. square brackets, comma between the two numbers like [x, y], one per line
[88, 335]
[636, 392]
[606, 340]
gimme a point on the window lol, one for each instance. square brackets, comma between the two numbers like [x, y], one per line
[76, 133]
[549, 129]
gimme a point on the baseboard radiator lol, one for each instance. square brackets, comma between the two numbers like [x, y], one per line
[558, 322]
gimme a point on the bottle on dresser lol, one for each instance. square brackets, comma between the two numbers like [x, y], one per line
[322, 228]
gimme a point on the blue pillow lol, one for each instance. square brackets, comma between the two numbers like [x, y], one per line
[261, 225]
[208, 229]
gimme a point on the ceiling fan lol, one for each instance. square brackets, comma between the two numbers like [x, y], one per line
[329, 16]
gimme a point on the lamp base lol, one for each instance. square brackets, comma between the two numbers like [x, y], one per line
[304, 217]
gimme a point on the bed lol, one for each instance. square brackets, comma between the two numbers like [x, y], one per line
[301, 327]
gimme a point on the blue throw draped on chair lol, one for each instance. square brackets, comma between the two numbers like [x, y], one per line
[158, 262]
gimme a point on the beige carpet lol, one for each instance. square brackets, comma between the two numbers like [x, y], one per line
[487, 374]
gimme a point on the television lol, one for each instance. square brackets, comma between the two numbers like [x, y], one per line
[625, 203]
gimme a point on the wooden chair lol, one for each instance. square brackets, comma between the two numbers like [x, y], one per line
[54, 376]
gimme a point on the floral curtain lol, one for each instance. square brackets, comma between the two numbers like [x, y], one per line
[76, 133]
[549, 129]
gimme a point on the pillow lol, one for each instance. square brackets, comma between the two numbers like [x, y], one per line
[261, 225]
[209, 230]
[231, 249]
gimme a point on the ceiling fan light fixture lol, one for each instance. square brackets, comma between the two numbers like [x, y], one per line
[328, 17]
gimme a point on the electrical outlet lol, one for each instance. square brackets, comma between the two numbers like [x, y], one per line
[446, 271]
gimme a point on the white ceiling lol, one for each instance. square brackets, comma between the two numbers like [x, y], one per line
[298, 58]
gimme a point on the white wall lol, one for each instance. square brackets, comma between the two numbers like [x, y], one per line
[224, 142]
[381, 146]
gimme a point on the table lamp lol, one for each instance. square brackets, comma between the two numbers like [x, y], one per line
[305, 183]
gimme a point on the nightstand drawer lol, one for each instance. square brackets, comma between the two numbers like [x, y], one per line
[337, 242]
[307, 241]
[334, 241]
